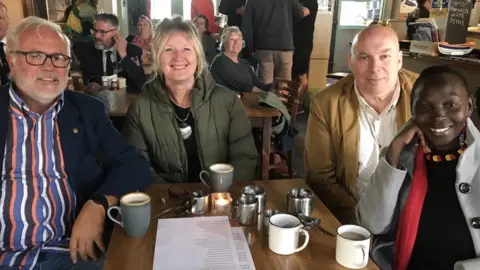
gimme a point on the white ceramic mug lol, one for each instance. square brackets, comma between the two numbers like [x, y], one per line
[353, 243]
[283, 234]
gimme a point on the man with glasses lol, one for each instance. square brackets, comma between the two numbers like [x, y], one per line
[62, 163]
[110, 54]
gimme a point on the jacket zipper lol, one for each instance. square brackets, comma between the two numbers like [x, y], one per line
[183, 152]
[197, 142]
[197, 138]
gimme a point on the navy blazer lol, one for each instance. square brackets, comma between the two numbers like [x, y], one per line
[98, 160]
[91, 65]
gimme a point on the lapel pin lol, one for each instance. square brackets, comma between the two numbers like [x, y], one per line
[75, 130]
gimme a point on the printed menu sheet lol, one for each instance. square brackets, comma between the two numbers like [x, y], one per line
[201, 243]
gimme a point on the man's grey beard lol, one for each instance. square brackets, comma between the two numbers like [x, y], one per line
[100, 46]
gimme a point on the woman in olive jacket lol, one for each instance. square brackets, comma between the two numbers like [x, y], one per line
[182, 121]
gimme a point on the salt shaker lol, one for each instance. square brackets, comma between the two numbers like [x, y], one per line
[105, 83]
[258, 192]
[114, 84]
[300, 200]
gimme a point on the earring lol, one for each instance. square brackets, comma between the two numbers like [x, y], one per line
[461, 138]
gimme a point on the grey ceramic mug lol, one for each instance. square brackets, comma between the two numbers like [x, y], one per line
[135, 211]
[219, 177]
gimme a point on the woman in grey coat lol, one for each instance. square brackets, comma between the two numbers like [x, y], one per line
[422, 203]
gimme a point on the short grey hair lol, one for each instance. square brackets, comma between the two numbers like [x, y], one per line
[109, 18]
[226, 35]
[354, 44]
[145, 18]
[33, 23]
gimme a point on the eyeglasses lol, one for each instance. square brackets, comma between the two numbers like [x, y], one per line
[101, 32]
[39, 58]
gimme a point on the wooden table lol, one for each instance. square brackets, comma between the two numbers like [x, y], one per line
[137, 253]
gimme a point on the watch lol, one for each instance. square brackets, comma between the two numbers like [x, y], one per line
[102, 200]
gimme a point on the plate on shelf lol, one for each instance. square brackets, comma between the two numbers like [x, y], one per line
[455, 49]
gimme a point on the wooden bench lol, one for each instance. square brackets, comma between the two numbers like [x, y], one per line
[334, 77]
[337, 75]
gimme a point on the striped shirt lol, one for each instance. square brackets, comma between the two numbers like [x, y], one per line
[37, 204]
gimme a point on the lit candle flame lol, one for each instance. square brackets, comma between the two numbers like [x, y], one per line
[221, 201]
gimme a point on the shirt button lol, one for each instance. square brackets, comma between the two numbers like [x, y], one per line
[464, 188]
[20, 117]
[476, 222]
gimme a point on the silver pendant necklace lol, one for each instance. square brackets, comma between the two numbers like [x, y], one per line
[185, 129]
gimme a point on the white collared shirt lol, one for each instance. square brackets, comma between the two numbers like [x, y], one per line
[113, 58]
[376, 132]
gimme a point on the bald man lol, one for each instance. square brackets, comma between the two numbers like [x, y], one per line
[353, 119]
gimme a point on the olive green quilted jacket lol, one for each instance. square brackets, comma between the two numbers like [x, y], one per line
[222, 128]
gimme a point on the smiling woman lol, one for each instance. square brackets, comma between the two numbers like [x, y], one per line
[429, 170]
[231, 71]
[182, 121]
[440, 107]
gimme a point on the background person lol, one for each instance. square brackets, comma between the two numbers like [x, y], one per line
[231, 71]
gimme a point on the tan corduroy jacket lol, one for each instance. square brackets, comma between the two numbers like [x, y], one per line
[331, 144]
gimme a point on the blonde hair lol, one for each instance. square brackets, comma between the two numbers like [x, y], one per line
[33, 23]
[226, 35]
[163, 32]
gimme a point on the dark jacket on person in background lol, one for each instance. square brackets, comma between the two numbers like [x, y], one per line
[91, 65]
[268, 24]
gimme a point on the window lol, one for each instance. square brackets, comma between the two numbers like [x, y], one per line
[325, 5]
[161, 9]
[356, 13]
[187, 9]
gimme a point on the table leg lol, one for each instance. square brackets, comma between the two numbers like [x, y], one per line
[266, 142]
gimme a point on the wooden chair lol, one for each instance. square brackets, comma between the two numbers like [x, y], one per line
[304, 81]
[290, 93]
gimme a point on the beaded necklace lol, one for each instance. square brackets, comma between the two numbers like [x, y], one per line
[452, 156]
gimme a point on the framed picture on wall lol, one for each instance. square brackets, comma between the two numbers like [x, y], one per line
[52, 10]
[56, 9]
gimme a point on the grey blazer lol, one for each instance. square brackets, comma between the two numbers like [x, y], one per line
[380, 206]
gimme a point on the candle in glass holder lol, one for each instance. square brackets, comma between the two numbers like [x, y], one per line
[221, 202]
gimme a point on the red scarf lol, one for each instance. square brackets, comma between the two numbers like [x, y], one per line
[410, 217]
